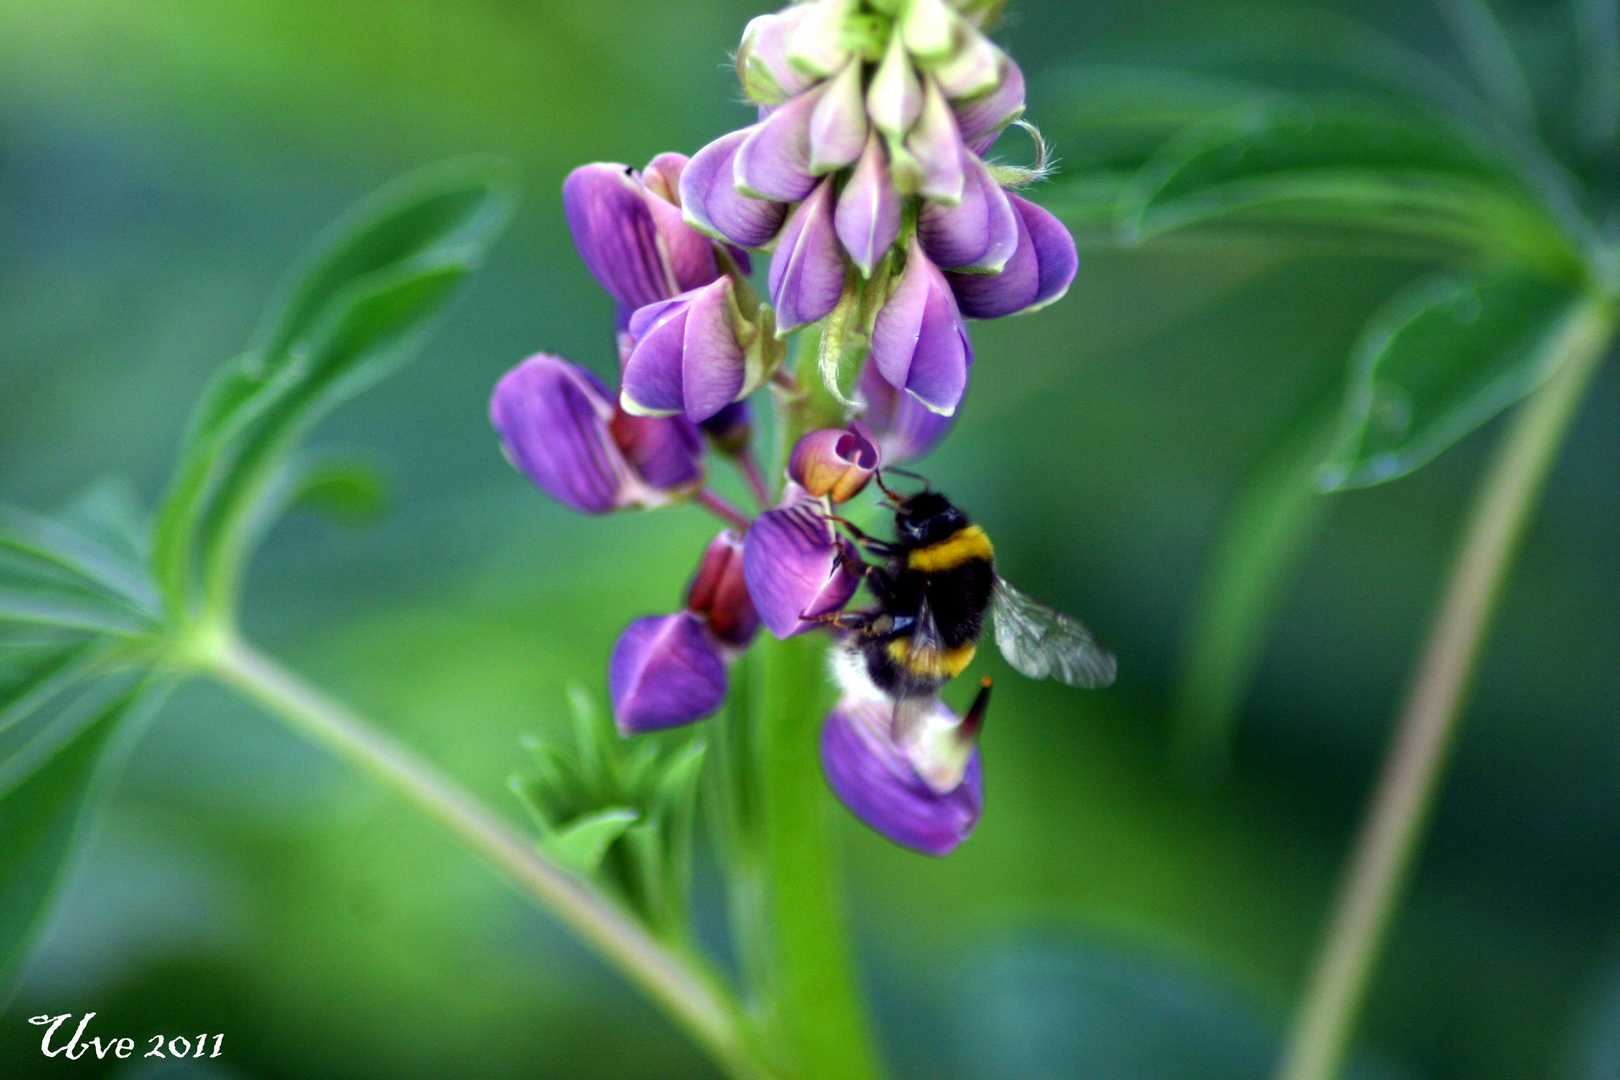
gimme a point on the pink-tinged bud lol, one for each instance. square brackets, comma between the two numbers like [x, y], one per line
[719, 592]
[894, 97]
[807, 269]
[797, 567]
[665, 671]
[695, 354]
[868, 216]
[934, 151]
[558, 424]
[873, 775]
[632, 239]
[981, 120]
[838, 125]
[763, 68]
[774, 161]
[711, 202]
[904, 428]
[1038, 273]
[835, 462]
[980, 233]
[919, 342]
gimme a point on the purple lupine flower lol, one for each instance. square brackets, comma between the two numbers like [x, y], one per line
[980, 233]
[1038, 273]
[774, 161]
[632, 236]
[983, 119]
[807, 269]
[695, 353]
[711, 202]
[797, 566]
[559, 425]
[868, 216]
[666, 670]
[919, 342]
[719, 592]
[931, 164]
[874, 776]
[835, 462]
[838, 125]
[894, 98]
[903, 427]
[763, 67]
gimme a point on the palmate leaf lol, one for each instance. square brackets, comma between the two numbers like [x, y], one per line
[362, 303]
[46, 797]
[1440, 360]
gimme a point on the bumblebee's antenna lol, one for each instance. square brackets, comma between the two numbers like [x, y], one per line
[877, 474]
[927, 486]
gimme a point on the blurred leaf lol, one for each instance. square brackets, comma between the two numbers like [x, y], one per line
[51, 607]
[582, 844]
[80, 554]
[1339, 166]
[1489, 53]
[42, 815]
[361, 304]
[40, 674]
[347, 489]
[1438, 361]
[1261, 537]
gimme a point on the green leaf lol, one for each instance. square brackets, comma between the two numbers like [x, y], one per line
[361, 304]
[83, 556]
[1441, 359]
[43, 813]
[36, 676]
[582, 844]
[1261, 537]
[346, 489]
[66, 610]
[1339, 166]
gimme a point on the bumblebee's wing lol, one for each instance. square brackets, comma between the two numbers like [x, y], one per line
[1040, 642]
[914, 697]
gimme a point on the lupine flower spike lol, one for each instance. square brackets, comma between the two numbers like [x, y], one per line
[864, 176]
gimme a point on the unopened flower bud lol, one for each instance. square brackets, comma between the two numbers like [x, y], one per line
[894, 97]
[903, 427]
[981, 120]
[974, 67]
[632, 239]
[797, 567]
[1038, 272]
[873, 776]
[980, 233]
[935, 150]
[819, 47]
[919, 342]
[666, 670]
[711, 202]
[763, 67]
[838, 124]
[833, 462]
[807, 268]
[697, 353]
[558, 424]
[868, 216]
[929, 28]
[774, 161]
[719, 592]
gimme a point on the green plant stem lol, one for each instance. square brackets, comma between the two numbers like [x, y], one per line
[693, 998]
[816, 1017]
[1401, 803]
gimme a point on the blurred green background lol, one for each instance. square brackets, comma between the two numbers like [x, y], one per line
[162, 161]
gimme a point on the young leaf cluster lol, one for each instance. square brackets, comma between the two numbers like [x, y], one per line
[619, 812]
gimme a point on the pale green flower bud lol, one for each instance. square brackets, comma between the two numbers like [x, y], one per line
[895, 96]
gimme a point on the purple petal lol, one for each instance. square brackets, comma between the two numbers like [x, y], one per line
[615, 233]
[983, 119]
[690, 253]
[665, 671]
[1038, 273]
[976, 69]
[763, 67]
[980, 233]
[719, 592]
[872, 777]
[553, 422]
[807, 269]
[838, 125]
[791, 558]
[732, 428]
[904, 427]
[665, 451]
[711, 201]
[918, 340]
[774, 161]
[712, 363]
[653, 382]
[935, 145]
[868, 215]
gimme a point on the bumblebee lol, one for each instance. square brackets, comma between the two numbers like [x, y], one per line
[934, 584]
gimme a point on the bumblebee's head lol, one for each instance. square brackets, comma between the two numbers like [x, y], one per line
[927, 518]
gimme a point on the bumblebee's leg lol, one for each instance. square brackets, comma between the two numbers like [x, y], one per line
[870, 543]
[858, 621]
